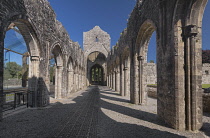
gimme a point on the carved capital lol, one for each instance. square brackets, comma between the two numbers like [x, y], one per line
[34, 58]
[139, 58]
[190, 30]
[125, 68]
[70, 70]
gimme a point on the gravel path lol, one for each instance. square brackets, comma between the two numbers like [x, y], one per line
[95, 112]
[119, 118]
[73, 117]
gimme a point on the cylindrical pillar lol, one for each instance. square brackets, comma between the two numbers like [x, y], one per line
[125, 81]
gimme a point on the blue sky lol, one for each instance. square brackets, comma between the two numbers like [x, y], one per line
[205, 36]
[79, 16]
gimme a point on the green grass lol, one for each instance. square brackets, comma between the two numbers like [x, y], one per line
[152, 84]
[205, 85]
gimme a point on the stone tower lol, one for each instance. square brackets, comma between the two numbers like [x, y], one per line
[96, 43]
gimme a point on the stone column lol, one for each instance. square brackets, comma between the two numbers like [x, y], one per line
[1, 76]
[125, 81]
[58, 86]
[33, 80]
[81, 80]
[113, 81]
[122, 80]
[84, 80]
[117, 85]
[193, 93]
[135, 95]
[142, 93]
[107, 78]
[24, 70]
[70, 81]
[75, 82]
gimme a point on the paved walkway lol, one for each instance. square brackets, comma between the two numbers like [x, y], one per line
[95, 112]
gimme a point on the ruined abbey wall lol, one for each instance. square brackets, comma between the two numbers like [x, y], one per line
[151, 73]
[44, 35]
[178, 27]
[96, 40]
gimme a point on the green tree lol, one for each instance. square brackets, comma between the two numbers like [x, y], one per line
[7, 74]
[151, 61]
[13, 69]
[52, 73]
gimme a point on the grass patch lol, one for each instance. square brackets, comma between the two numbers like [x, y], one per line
[205, 85]
[152, 84]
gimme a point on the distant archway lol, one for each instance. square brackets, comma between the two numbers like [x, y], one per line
[96, 75]
[93, 59]
[56, 51]
[25, 28]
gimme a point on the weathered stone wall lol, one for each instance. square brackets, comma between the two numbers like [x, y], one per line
[96, 40]
[37, 23]
[178, 26]
[13, 82]
[206, 73]
[151, 73]
[152, 91]
[206, 102]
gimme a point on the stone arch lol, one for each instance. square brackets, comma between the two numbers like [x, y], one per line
[195, 16]
[76, 74]
[96, 74]
[27, 30]
[96, 57]
[187, 50]
[56, 51]
[96, 50]
[70, 69]
[117, 74]
[125, 72]
[192, 38]
[145, 32]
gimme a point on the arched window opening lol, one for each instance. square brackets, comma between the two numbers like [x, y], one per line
[96, 40]
[96, 75]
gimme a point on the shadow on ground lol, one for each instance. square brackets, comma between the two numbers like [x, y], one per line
[79, 117]
[206, 126]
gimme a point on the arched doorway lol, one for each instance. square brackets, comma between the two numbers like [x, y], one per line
[96, 75]
[58, 70]
[30, 50]
[96, 68]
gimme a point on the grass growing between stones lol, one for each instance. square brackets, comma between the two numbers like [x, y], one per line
[205, 85]
[152, 84]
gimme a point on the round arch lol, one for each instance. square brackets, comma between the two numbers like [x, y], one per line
[96, 57]
[70, 74]
[192, 38]
[26, 29]
[140, 58]
[58, 56]
[96, 74]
